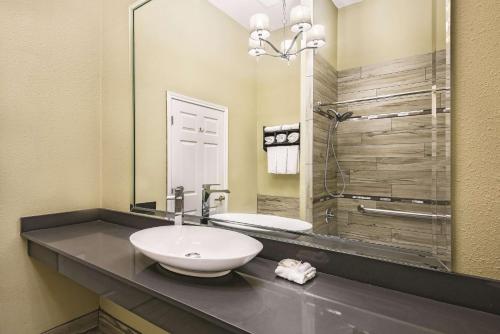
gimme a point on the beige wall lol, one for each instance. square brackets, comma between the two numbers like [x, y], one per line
[326, 13]
[49, 147]
[278, 102]
[117, 159]
[50, 97]
[476, 137]
[375, 31]
[208, 64]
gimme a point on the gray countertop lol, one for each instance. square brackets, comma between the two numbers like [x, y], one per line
[252, 299]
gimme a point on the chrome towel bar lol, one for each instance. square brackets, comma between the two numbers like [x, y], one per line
[383, 97]
[407, 214]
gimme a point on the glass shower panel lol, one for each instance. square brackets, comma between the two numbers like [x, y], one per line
[388, 170]
[441, 131]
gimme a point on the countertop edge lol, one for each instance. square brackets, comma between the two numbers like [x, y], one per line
[458, 289]
[216, 321]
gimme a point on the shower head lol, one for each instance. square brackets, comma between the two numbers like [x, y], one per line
[344, 117]
[339, 116]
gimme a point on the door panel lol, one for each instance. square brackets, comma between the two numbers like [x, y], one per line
[214, 154]
[185, 157]
[198, 152]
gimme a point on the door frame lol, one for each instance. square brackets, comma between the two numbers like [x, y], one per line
[171, 96]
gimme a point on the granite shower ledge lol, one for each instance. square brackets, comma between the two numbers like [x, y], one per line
[98, 255]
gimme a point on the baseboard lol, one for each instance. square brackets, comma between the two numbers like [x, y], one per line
[110, 325]
[95, 322]
[84, 324]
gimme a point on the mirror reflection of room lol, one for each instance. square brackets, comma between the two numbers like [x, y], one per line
[216, 89]
[343, 133]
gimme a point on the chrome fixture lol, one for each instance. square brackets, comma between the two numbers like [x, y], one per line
[205, 199]
[407, 214]
[342, 117]
[301, 22]
[178, 197]
[382, 97]
[329, 215]
[335, 120]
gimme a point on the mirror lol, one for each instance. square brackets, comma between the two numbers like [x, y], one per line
[339, 139]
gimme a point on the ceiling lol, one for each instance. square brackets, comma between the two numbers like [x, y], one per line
[345, 3]
[241, 10]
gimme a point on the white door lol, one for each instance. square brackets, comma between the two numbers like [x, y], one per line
[197, 150]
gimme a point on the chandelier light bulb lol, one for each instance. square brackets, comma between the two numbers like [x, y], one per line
[255, 47]
[259, 26]
[300, 18]
[316, 36]
[301, 25]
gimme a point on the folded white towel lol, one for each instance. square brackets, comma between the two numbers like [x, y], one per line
[294, 126]
[303, 267]
[271, 159]
[292, 159]
[272, 128]
[281, 159]
[295, 271]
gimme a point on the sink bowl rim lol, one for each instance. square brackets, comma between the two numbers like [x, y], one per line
[259, 244]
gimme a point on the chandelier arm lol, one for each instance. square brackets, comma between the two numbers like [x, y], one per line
[303, 49]
[294, 40]
[271, 55]
[272, 46]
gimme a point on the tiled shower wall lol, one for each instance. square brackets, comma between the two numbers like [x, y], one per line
[325, 90]
[395, 163]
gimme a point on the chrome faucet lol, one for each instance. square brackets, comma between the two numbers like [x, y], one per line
[205, 199]
[178, 197]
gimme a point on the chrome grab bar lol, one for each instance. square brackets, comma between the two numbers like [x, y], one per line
[407, 214]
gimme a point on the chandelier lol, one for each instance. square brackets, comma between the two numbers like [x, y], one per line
[300, 22]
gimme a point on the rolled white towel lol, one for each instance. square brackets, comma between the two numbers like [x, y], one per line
[293, 137]
[294, 126]
[295, 271]
[269, 140]
[281, 138]
[272, 128]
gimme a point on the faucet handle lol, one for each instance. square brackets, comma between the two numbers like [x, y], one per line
[208, 186]
[178, 199]
[178, 192]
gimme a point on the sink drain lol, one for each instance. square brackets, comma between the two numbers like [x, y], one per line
[193, 255]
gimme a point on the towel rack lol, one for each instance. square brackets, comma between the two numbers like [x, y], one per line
[407, 214]
[275, 133]
[381, 97]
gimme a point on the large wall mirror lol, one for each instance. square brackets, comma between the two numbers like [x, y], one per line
[328, 123]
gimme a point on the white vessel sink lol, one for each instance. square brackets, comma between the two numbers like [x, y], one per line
[289, 224]
[196, 250]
